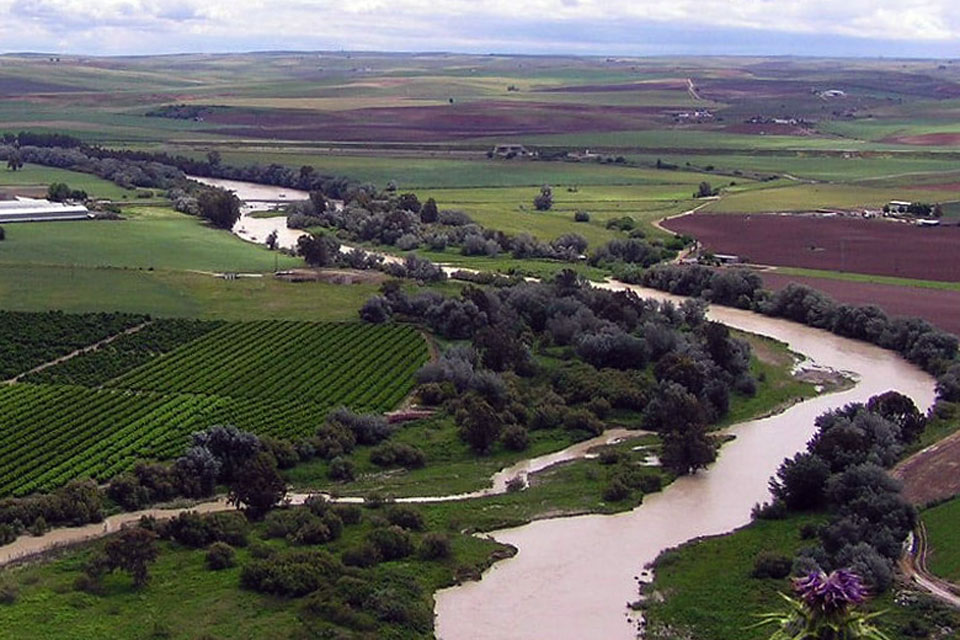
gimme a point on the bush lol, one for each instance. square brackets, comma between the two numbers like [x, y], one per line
[616, 490]
[392, 454]
[771, 565]
[581, 216]
[515, 438]
[435, 546]
[349, 513]
[406, 516]
[341, 469]
[391, 543]
[365, 555]
[220, 555]
[291, 573]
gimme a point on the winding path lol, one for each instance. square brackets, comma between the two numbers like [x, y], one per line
[913, 564]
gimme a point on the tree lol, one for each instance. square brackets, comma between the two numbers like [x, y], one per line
[704, 190]
[132, 551]
[410, 202]
[319, 201]
[257, 487]
[428, 212]
[58, 192]
[801, 481]
[544, 201]
[480, 426]
[900, 410]
[318, 251]
[271, 240]
[688, 448]
[14, 162]
[220, 207]
[213, 157]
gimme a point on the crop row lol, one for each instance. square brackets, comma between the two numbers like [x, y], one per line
[30, 339]
[297, 361]
[127, 352]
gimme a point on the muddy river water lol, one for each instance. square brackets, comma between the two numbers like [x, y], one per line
[573, 576]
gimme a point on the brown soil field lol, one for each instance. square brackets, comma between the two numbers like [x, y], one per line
[939, 308]
[663, 85]
[21, 86]
[927, 139]
[854, 245]
[932, 474]
[435, 123]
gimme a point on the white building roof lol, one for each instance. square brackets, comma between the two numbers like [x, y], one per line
[34, 210]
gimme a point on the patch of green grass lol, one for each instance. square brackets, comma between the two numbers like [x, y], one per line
[863, 277]
[707, 586]
[184, 600]
[36, 178]
[943, 534]
[149, 238]
[176, 294]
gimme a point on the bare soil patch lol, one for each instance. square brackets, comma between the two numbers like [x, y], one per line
[932, 474]
[435, 122]
[853, 245]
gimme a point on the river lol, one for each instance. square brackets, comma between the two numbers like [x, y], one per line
[260, 197]
[573, 576]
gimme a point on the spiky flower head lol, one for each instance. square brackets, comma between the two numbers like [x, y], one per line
[831, 593]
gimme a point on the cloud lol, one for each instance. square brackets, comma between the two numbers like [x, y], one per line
[865, 27]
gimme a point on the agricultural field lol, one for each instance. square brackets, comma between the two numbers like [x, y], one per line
[141, 396]
[33, 180]
[942, 534]
[830, 244]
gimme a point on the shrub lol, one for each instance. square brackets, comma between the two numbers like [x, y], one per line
[365, 555]
[435, 546]
[392, 454]
[341, 469]
[771, 565]
[581, 216]
[616, 490]
[515, 438]
[9, 590]
[406, 516]
[391, 543]
[349, 513]
[291, 573]
[220, 555]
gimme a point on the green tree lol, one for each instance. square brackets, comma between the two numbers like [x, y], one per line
[14, 162]
[480, 426]
[220, 207]
[704, 190]
[687, 448]
[544, 200]
[319, 201]
[428, 212]
[132, 551]
[257, 487]
[319, 250]
[58, 192]
[213, 157]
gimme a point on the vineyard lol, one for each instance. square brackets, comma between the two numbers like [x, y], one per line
[140, 396]
[30, 339]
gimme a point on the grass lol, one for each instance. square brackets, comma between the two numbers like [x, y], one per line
[708, 591]
[707, 585]
[184, 600]
[862, 277]
[944, 537]
[34, 179]
[176, 294]
[149, 238]
[771, 364]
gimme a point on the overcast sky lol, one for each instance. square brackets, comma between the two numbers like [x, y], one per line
[919, 28]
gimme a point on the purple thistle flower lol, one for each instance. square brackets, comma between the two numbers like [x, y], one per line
[831, 593]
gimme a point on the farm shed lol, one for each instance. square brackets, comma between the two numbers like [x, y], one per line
[31, 210]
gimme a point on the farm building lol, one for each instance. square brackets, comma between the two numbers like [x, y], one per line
[31, 210]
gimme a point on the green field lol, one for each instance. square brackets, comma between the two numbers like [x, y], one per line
[149, 238]
[943, 535]
[270, 377]
[33, 180]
